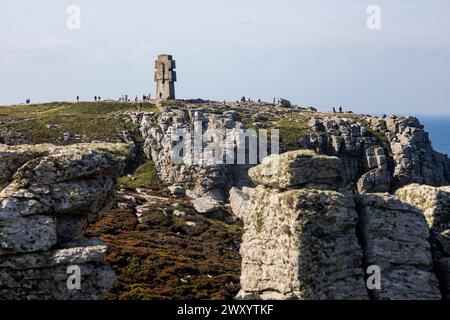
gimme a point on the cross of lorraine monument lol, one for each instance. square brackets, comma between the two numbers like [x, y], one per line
[165, 77]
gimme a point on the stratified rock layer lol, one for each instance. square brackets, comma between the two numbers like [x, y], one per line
[197, 171]
[297, 168]
[301, 240]
[435, 203]
[300, 243]
[48, 196]
[379, 154]
[395, 237]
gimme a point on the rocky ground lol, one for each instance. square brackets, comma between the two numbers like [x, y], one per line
[171, 233]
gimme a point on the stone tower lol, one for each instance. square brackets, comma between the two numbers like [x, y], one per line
[165, 77]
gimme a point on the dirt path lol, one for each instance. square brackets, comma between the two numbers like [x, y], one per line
[52, 110]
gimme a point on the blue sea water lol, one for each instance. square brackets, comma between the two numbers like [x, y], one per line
[438, 126]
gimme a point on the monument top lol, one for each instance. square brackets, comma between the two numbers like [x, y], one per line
[165, 77]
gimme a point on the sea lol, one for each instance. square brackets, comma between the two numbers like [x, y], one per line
[438, 126]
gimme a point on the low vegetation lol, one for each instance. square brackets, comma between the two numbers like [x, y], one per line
[168, 256]
[66, 123]
[291, 130]
[145, 176]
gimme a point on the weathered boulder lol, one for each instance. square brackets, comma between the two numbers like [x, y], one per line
[377, 178]
[345, 138]
[12, 138]
[27, 234]
[12, 158]
[308, 242]
[198, 171]
[48, 197]
[395, 237]
[297, 168]
[301, 243]
[435, 203]
[283, 103]
[44, 275]
[399, 147]
[206, 204]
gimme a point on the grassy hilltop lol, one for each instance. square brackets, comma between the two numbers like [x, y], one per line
[78, 122]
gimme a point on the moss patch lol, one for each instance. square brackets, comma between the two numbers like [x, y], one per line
[145, 176]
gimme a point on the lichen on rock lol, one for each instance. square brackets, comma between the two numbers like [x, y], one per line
[49, 196]
[300, 243]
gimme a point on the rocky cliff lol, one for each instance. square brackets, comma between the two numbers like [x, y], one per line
[348, 192]
[306, 238]
[435, 204]
[379, 154]
[201, 179]
[48, 197]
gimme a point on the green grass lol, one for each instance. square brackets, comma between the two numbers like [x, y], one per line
[92, 120]
[381, 137]
[145, 176]
[291, 132]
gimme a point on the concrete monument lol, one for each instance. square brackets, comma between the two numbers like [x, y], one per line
[165, 77]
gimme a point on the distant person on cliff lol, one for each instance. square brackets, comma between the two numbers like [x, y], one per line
[334, 110]
[340, 109]
[95, 98]
[78, 99]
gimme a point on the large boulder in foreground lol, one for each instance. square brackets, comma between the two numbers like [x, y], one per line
[48, 195]
[304, 241]
[296, 169]
[299, 243]
[435, 203]
[395, 237]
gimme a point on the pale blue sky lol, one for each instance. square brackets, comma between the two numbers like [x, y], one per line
[315, 53]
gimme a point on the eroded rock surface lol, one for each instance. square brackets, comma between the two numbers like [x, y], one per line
[379, 154]
[48, 196]
[395, 237]
[201, 176]
[435, 203]
[304, 241]
[299, 243]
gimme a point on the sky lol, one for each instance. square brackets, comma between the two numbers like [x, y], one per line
[315, 53]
